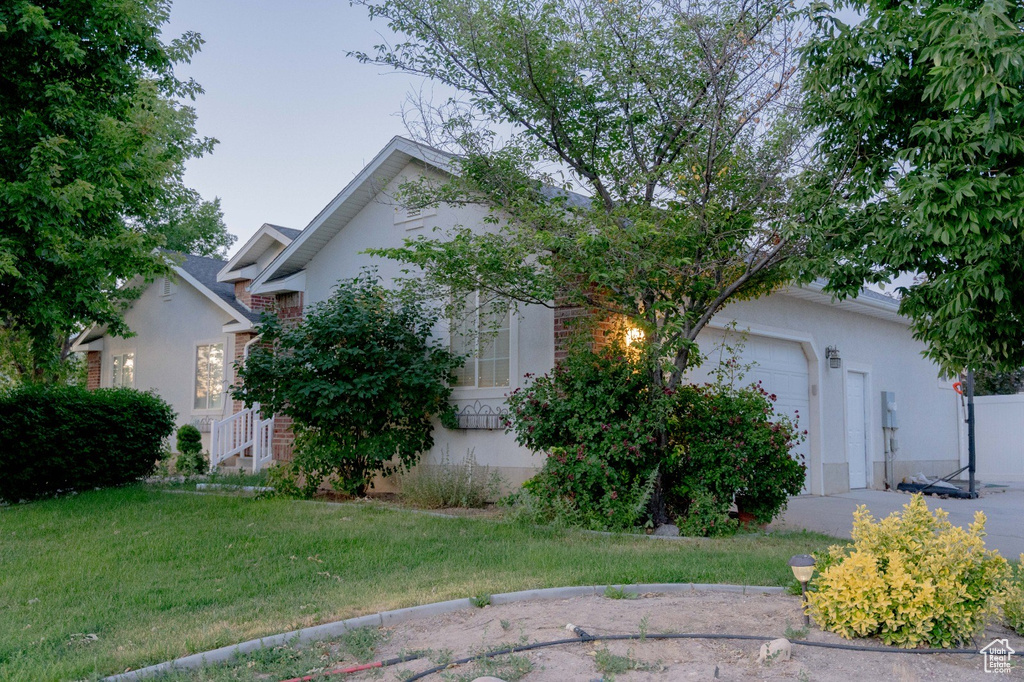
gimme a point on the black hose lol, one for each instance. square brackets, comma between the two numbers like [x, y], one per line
[601, 638]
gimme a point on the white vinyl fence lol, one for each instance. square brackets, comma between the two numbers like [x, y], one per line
[999, 436]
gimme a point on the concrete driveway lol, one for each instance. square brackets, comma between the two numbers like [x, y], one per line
[1003, 508]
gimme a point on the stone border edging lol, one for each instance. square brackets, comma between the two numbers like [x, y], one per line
[387, 618]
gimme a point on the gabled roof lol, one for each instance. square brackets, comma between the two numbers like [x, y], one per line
[384, 168]
[201, 273]
[243, 265]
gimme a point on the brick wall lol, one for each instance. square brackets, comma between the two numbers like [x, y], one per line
[94, 365]
[289, 311]
[250, 301]
[571, 319]
[240, 340]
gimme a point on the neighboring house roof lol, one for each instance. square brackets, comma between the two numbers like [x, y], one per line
[204, 271]
[201, 273]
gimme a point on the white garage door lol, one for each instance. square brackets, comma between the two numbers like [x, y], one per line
[782, 370]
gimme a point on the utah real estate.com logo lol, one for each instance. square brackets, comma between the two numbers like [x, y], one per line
[997, 656]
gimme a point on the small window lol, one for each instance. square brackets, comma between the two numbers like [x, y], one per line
[484, 337]
[209, 377]
[124, 370]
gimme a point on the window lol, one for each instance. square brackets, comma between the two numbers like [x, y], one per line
[209, 377]
[484, 338]
[124, 370]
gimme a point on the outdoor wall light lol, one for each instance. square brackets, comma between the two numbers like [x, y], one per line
[834, 361]
[634, 336]
[803, 570]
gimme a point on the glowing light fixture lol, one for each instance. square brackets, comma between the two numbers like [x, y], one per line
[634, 336]
[803, 571]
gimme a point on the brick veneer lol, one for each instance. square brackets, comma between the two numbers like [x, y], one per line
[288, 308]
[289, 311]
[241, 339]
[250, 301]
[94, 364]
[571, 319]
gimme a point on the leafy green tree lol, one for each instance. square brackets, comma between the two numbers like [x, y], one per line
[93, 142]
[987, 382]
[920, 111]
[678, 118]
[361, 381]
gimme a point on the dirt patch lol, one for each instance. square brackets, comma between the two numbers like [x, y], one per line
[465, 633]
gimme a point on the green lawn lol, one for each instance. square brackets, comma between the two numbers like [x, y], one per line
[99, 582]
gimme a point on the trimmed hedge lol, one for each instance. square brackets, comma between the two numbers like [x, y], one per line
[59, 438]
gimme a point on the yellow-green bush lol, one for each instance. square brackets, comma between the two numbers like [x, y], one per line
[911, 579]
[1013, 604]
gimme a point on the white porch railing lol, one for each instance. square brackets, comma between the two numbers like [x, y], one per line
[245, 434]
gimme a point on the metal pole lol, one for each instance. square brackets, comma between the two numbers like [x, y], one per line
[971, 452]
[803, 593]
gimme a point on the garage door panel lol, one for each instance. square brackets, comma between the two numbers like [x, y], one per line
[781, 367]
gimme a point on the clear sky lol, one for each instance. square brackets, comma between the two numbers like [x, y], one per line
[296, 118]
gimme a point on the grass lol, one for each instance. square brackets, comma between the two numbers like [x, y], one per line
[100, 582]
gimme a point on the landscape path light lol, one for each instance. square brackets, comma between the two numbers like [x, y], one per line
[803, 570]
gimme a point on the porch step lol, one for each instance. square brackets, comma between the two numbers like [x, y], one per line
[235, 465]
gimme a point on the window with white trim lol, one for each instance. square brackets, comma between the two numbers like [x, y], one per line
[484, 338]
[123, 365]
[209, 394]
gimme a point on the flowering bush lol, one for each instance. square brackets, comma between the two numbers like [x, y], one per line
[596, 417]
[911, 579]
[727, 444]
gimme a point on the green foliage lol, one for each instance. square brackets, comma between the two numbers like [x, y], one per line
[614, 664]
[920, 112]
[63, 438]
[480, 600]
[912, 579]
[362, 643]
[190, 459]
[729, 443]
[706, 516]
[94, 141]
[451, 485]
[987, 382]
[618, 593]
[361, 380]
[596, 416]
[1013, 602]
[679, 120]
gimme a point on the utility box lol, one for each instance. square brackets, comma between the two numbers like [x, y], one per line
[890, 420]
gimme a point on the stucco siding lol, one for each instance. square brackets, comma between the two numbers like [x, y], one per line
[167, 331]
[381, 224]
[891, 360]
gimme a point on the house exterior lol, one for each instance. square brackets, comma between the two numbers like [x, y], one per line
[828, 362]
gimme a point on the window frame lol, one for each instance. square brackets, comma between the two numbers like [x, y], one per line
[477, 392]
[223, 378]
[122, 354]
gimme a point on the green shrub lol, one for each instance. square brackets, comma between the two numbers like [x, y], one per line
[596, 417]
[911, 579]
[707, 516]
[1013, 603]
[361, 380]
[60, 438]
[451, 485]
[191, 460]
[729, 444]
